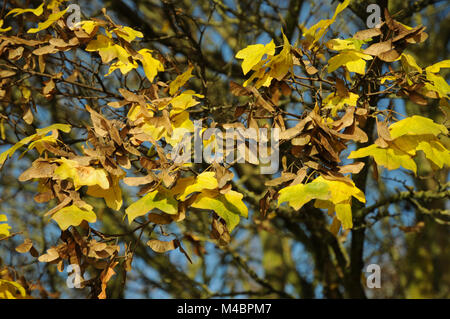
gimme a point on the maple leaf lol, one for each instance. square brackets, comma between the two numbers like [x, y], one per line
[184, 101]
[180, 80]
[73, 216]
[160, 198]
[81, 175]
[151, 65]
[112, 195]
[353, 60]
[318, 30]
[228, 206]
[187, 186]
[52, 18]
[330, 193]
[37, 12]
[409, 136]
[253, 54]
[4, 227]
[38, 137]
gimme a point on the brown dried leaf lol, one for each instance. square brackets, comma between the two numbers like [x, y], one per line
[367, 34]
[353, 168]
[25, 246]
[159, 219]
[160, 246]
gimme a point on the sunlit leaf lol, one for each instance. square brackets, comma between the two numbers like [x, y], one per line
[73, 216]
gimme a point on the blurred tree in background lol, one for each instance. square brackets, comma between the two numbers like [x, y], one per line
[276, 252]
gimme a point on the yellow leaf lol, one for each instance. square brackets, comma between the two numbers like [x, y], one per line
[73, 216]
[4, 227]
[435, 152]
[331, 195]
[253, 54]
[435, 68]
[112, 195]
[409, 63]
[317, 31]
[438, 84]
[37, 12]
[205, 180]
[127, 33]
[184, 101]
[344, 214]
[52, 18]
[341, 44]
[337, 103]
[416, 125]
[298, 195]
[180, 80]
[39, 133]
[282, 63]
[387, 157]
[353, 60]
[108, 50]
[11, 290]
[181, 124]
[124, 68]
[229, 206]
[151, 65]
[81, 175]
[161, 199]
[1, 25]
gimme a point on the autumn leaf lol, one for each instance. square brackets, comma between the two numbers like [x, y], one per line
[180, 80]
[151, 65]
[37, 12]
[416, 125]
[4, 227]
[331, 194]
[228, 206]
[408, 136]
[160, 198]
[205, 180]
[52, 18]
[73, 216]
[127, 33]
[435, 68]
[318, 30]
[112, 195]
[11, 290]
[353, 60]
[5, 29]
[81, 175]
[34, 138]
[253, 54]
[184, 101]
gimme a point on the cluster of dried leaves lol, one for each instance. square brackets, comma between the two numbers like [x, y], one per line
[134, 147]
